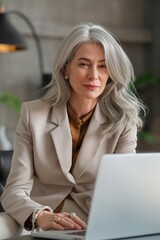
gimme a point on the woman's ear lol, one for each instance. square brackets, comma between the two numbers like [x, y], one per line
[66, 72]
[67, 69]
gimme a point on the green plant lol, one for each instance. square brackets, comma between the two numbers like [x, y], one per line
[144, 83]
[11, 101]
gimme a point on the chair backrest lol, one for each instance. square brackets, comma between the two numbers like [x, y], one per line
[5, 164]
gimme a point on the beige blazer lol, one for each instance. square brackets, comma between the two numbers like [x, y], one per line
[40, 172]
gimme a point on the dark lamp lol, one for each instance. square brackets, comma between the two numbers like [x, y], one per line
[10, 39]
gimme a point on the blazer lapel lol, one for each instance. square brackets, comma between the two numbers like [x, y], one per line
[62, 139]
[91, 142]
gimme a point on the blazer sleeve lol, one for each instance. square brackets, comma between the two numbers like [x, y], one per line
[127, 141]
[15, 198]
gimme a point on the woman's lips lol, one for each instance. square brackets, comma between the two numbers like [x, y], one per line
[90, 86]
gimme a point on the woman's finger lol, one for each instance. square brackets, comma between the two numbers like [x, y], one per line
[60, 220]
[77, 220]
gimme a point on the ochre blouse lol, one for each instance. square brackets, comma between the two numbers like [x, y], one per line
[78, 127]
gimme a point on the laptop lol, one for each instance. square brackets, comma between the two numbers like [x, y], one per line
[125, 202]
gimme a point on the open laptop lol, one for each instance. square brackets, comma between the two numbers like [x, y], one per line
[126, 199]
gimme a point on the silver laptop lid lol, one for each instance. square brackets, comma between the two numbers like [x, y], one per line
[126, 200]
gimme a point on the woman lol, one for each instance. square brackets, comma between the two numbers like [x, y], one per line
[88, 110]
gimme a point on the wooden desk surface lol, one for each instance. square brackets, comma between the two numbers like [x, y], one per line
[27, 237]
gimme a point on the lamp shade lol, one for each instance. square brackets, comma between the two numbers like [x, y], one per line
[10, 39]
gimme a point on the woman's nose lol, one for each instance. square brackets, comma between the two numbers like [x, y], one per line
[93, 73]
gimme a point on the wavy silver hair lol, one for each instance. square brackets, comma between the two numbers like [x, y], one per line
[118, 102]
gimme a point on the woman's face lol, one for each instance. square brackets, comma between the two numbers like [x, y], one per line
[87, 72]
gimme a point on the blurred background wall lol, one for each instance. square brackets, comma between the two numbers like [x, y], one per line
[134, 22]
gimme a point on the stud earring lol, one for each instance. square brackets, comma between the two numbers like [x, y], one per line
[66, 77]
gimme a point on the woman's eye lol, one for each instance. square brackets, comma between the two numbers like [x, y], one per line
[102, 66]
[84, 64]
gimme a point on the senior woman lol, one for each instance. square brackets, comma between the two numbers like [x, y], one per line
[87, 110]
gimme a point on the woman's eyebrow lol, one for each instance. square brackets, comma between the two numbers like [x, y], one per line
[88, 60]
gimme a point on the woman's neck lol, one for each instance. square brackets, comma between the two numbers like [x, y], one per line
[81, 107]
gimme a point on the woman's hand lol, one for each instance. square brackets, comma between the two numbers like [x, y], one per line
[59, 221]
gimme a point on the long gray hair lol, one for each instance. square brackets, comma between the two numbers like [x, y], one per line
[118, 102]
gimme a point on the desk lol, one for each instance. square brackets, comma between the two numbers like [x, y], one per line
[29, 237]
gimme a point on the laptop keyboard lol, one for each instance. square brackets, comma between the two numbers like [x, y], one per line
[80, 233]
